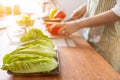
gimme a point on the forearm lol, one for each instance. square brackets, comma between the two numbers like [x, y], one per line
[100, 19]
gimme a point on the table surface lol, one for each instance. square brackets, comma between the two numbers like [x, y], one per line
[78, 61]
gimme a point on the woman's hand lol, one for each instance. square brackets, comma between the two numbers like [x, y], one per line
[67, 28]
[78, 13]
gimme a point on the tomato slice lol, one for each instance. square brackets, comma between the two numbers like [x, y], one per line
[60, 14]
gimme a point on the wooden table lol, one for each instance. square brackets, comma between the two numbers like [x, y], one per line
[77, 62]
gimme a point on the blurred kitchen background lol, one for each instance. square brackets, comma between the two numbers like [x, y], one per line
[8, 7]
[39, 7]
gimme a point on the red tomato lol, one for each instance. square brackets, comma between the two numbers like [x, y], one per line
[60, 14]
[54, 31]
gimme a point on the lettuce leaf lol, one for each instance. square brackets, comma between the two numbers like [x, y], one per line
[35, 54]
[37, 49]
[38, 41]
[43, 64]
[33, 34]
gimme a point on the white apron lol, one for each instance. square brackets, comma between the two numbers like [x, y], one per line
[106, 38]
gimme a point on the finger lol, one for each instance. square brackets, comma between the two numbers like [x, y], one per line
[57, 24]
[62, 30]
[54, 25]
[67, 34]
[63, 33]
[74, 16]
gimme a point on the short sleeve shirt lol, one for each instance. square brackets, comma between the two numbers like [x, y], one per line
[116, 8]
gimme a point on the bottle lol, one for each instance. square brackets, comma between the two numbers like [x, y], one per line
[16, 9]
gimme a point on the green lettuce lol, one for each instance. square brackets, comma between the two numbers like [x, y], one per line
[35, 54]
[34, 65]
[38, 41]
[33, 34]
[37, 49]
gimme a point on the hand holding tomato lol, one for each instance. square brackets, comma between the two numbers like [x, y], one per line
[55, 14]
[53, 31]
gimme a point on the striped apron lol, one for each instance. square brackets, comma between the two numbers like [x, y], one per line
[106, 38]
